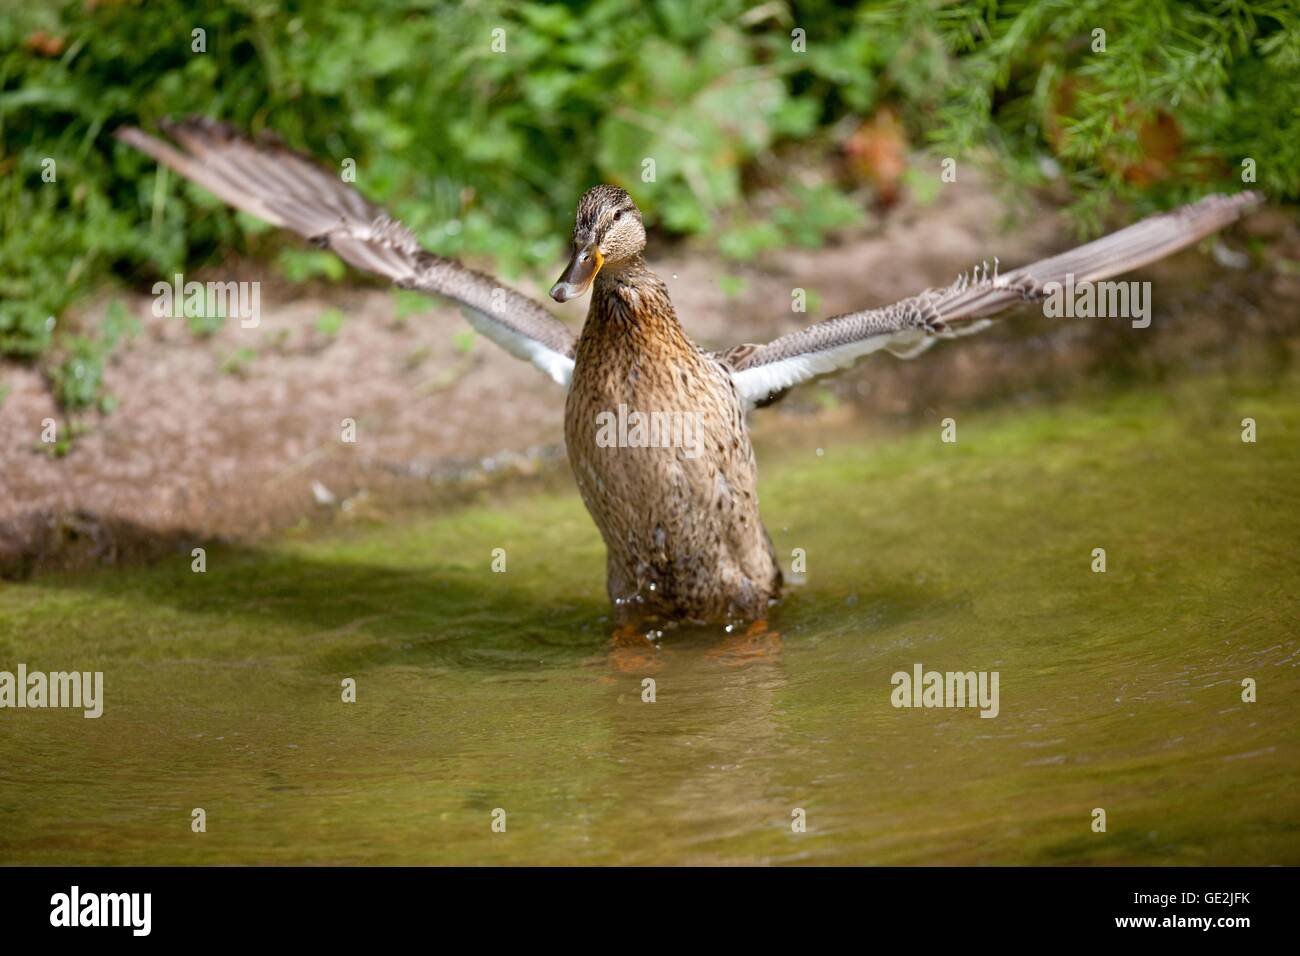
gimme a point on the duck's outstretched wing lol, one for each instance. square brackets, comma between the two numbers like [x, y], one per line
[270, 181]
[762, 373]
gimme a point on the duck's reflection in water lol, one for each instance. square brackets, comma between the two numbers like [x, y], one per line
[638, 648]
[696, 738]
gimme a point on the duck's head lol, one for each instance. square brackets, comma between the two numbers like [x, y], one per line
[607, 232]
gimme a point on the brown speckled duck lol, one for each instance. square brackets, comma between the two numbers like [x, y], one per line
[678, 510]
[655, 426]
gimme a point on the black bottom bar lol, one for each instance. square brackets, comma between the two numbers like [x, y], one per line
[335, 905]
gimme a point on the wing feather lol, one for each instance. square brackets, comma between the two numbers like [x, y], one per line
[909, 327]
[275, 184]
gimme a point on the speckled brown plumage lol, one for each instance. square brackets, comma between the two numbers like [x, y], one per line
[683, 533]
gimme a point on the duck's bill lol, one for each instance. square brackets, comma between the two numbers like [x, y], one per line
[577, 276]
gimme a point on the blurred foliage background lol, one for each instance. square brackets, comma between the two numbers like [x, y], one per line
[769, 123]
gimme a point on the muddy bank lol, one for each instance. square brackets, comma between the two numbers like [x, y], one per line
[238, 435]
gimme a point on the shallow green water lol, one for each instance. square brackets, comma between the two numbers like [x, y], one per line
[479, 691]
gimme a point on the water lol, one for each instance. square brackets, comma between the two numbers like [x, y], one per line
[478, 691]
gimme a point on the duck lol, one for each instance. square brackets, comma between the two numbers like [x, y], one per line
[655, 426]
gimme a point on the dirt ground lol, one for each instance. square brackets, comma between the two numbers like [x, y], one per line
[202, 448]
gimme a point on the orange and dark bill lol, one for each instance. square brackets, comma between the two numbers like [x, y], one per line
[577, 276]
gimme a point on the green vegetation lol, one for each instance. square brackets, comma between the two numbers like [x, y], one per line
[238, 361]
[482, 151]
[330, 322]
[78, 373]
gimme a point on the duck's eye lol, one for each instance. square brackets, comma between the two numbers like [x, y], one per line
[617, 214]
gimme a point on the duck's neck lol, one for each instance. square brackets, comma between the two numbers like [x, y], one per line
[630, 273]
[627, 294]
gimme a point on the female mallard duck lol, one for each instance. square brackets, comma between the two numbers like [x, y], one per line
[655, 426]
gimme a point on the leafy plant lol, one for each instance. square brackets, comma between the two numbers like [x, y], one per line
[482, 146]
[77, 378]
[1150, 102]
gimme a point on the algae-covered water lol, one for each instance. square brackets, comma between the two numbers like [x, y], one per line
[479, 691]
